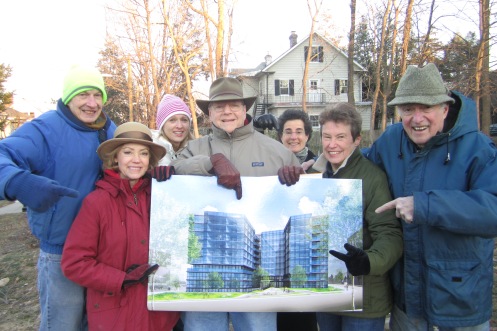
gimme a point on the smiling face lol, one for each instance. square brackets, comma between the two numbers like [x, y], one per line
[293, 136]
[338, 143]
[176, 129]
[422, 122]
[86, 106]
[228, 115]
[133, 160]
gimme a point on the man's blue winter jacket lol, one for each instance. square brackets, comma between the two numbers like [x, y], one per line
[58, 146]
[446, 272]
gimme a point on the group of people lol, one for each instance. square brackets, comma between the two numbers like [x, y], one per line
[429, 189]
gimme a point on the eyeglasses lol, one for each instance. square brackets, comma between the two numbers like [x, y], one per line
[219, 107]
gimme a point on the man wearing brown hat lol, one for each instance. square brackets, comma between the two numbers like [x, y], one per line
[50, 164]
[443, 173]
[233, 149]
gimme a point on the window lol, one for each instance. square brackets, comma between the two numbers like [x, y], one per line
[314, 121]
[316, 53]
[283, 87]
[341, 86]
[313, 85]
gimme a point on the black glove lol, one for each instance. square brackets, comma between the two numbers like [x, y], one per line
[266, 121]
[356, 260]
[138, 273]
[161, 173]
[227, 175]
[37, 192]
[290, 175]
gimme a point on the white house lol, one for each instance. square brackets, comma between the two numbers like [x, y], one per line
[279, 87]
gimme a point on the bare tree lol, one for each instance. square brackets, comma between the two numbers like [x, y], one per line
[390, 60]
[482, 69]
[313, 12]
[185, 60]
[406, 39]
[350, 54]
[378, 69]
[219, 52]
[164, 47]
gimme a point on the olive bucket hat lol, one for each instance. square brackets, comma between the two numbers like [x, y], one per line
[423, 86]
[224, 89]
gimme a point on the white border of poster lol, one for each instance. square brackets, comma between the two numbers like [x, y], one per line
[265, 252]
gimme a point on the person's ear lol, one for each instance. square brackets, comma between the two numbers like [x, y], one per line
[445, 109]
[357, 141]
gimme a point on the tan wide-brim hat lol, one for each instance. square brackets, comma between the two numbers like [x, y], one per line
[224, 89]
[131, 132]
[422, 86]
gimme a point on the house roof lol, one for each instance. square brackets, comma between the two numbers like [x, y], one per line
[12, 113]
[262, 68]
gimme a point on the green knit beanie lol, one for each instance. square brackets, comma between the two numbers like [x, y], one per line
[80, 79]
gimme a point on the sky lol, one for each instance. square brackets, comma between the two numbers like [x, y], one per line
[42, 39]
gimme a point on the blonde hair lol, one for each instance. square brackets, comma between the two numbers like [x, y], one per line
[185, 141]
[108, 159]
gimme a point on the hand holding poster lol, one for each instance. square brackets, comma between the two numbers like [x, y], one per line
[265, 252]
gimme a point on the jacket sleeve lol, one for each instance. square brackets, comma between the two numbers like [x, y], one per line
[193, 159]
[384, 228]
[26, 149]
[470, 212]
[79, 259]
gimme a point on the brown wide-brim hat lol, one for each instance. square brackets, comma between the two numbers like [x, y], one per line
[128, 133]
[224, 89]
[421, 86]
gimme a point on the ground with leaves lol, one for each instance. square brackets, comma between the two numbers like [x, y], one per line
[19, 308]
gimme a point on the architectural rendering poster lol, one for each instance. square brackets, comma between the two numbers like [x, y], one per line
[265, 252]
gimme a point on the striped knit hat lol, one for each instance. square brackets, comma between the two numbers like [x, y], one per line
[80, 79]
[170, 105]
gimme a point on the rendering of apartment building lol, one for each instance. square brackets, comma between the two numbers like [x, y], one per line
[232, 254]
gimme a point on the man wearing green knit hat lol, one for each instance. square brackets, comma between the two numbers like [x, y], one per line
[50, 164]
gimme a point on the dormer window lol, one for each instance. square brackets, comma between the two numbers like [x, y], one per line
[316, 53]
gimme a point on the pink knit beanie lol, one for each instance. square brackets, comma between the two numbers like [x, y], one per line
[170, 105]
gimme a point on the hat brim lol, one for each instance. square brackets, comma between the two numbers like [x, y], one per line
[421, 99]
[108, 146]
[204, 104]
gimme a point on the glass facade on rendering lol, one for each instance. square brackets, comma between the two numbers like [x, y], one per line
[230, 253]
[296, 256]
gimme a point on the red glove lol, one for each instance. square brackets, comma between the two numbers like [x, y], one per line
[161, 173]
[138, 274]
[289, 175]
[226, 173]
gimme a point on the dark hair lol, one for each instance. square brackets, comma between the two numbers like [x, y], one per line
[294, 114]
[342, 113]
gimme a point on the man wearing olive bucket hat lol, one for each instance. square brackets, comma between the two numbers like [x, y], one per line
[443, 174]
[233, 149]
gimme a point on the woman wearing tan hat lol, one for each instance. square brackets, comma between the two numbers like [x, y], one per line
[173, 122]
[106, 250]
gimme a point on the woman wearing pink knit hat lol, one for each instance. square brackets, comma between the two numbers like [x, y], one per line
[173, 122]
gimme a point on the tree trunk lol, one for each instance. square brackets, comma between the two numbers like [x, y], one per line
[483, 68]
[378, 70]
[350, 54]
[406, 38]
[389, 75]
[314, 16]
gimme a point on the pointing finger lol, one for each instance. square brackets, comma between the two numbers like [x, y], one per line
[389, 205]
